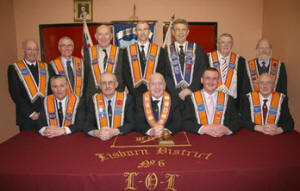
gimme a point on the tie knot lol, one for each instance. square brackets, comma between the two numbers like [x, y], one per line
[155, 102]
[104, 50]
[142, 46]
[60, 104]
[264, 64]
[265, 101]
[68, 62]
[181, 47]
[109, 102]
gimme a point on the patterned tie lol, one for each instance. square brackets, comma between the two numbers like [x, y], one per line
[70, 73]
[155, 109]
[265, 110]
[264, 67]
[181, 58]
[109, 111]
[225, 69]
[60, 113]
[105, 59]
[143, 59]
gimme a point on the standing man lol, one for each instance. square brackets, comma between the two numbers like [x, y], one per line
[110, 113]
[230, 66]
[70, 66]
[266, 111]
[28, 81]
[62, 112]
[157, 110]
[264, 63]
[141, 60]
[185, 62]
[104, 57]
[209, 111]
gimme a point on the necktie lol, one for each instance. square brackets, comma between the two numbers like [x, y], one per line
[155, 109]
[210, 108]
[143, 59]
[70, 73]
[225, 69]
[265, 110]
[35, 73]
[109, 111]
[181, 58]
[60, 113]
[105, 59]
[264, 67]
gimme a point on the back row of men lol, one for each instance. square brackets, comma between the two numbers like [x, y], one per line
[229, 86]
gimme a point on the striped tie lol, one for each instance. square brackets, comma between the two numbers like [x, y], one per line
[225, 69]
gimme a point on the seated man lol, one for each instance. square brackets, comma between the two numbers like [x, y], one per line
[156, 109]
[110, 113]
[266, 111]
[62, 113]
[209, 111]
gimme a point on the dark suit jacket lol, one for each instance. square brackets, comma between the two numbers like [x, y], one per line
[201, 63]
[79, 118]
[285, 121]
[281, 84]
[24, 107]
[93, 88]
[127, 78]
[173, 122]
[129, 117]
[231, 118]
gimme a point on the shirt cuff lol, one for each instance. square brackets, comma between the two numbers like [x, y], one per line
[41, 131]
[31, 114]
[199, 131]
[148, 132]
[90, 133]
[68, 131]
[229, 132]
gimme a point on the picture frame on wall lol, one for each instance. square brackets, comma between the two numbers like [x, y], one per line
[83, 10]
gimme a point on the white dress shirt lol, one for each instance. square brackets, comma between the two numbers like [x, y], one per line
[177, 46]
[159, 109]
[261, 101]
[260, 62]
[102, 56]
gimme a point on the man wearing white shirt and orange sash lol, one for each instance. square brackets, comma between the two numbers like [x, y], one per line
[157, 110]
[209, 111]
[266, 111]
[62, 112]
[110, 112]
[28, 85]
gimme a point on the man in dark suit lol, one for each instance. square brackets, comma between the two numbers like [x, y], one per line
[62, 112]
[266, 111]
[185, 62]
[28, 81]
[209, 111]
[104, 57]
[110, 113]
[141, 59]
[264, 63]
[230, 66]
[157, 110]
[70, 66]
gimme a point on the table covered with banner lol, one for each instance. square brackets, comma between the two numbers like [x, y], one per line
[245, 161]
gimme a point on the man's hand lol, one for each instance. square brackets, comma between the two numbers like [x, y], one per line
[183, 93]
[269, 129]
[54, 131]
[215, 130]
[156, 131]
[106, 133]
[35, 116]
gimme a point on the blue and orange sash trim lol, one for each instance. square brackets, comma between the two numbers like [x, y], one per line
[102, 114]
[28, 81]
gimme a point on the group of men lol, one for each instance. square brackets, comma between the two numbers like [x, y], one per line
[150, 89]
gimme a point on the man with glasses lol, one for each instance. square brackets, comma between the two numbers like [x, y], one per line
[28, 85]
[266, 111]
[110, 113]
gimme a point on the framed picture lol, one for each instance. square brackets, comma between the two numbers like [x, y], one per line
[83, 10]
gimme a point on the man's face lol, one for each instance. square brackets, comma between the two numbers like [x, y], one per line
[108, 85]
[225, 45]
[103, 36]
[59, 88]
[210, 81]
[142, 32]
[156, 85]
[180, 32]
[31, 51]
[265, 85]
[66, 47]
[264, 51]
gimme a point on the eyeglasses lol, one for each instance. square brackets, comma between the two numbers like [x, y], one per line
[105, 83]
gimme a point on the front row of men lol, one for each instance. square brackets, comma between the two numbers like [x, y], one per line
[207, 111]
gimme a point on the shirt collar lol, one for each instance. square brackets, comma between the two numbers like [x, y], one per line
[208, 95]
[145, 44]
[63, 101]
[112, 98]
[155, 99]
[263, 98]
[29, 63]
[223, 57]
[177, 44]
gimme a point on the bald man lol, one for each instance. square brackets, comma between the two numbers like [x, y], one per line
[142, 59]
[110, 113]
[70, 66]
[157, 110]
[28, 85]
[266, 111]
[104, 57]
[264, 63]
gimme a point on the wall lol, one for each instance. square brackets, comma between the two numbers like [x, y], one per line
[281, 26]
[8, 54]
